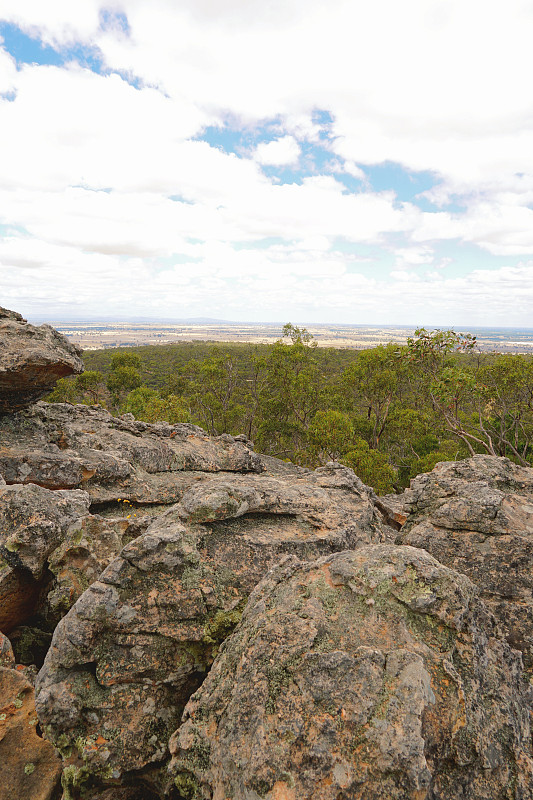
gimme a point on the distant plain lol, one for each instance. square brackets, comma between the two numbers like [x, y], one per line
[99, 335]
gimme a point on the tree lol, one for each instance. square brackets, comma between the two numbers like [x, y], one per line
[122, 380]
[216, 392]
[292, 393]
[330, 436]
[91, 382]
[125, 360]
[371, 385]
[371, 466]
[147, 404]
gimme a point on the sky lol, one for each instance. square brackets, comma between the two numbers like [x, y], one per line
[283, 160]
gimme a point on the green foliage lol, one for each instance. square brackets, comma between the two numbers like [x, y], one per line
[65, 391]
[372, 467]
[91, 383]
[122, 380]
[330, 435]
[126, 359]
[390, 412]
[147, 404]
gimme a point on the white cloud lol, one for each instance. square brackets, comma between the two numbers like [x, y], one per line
[413, 256]
[278, 152]
[94, 162]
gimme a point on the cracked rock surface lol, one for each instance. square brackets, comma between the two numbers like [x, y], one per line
[476, 516]
[60, 446]
[125, 659]
[361, 676]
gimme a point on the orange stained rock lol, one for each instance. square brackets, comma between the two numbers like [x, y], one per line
[30, 767]
[282, 791]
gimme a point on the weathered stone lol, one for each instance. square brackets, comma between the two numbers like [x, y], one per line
[139, 641]
[362, 676]
[89, 545]
[31, 361]
[33, 522]
[7, 657]
[30, 768]
[476, 516]
[60, 446]
[395, 509]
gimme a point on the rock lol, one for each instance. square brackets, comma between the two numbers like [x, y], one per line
[89, 545]
[60, 446]
[33, 522]
[7, 657]
[361, 676]
[476, 516]
[395, 508]
[30, 766]
[139, 641]
[31, 361]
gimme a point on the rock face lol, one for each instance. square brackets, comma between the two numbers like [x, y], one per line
[139, 641]
[476, 516]
[364, 675]
[59, 446]
[33, 522]
[31, 360]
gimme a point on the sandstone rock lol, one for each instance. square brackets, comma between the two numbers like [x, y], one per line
[60, 446]
[31, 361]
[89, 545]
[33, 522]
[476, 516]
[140, 640]
[362, 676]
[30, 768]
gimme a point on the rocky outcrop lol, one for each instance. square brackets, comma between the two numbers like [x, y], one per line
[476, 516]
[31, 360]
[140, 640]
[362, 667]
[364, 675]
[59, 446]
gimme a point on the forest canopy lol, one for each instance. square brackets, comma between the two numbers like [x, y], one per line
[389, 412]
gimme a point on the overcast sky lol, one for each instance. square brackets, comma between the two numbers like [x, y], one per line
[344, 161]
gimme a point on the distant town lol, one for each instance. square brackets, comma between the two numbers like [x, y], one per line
[99, 335]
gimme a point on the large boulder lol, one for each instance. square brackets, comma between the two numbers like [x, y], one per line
[125, 659]
[476, 516]
[31, 361]
[364, 675]
[60, 446]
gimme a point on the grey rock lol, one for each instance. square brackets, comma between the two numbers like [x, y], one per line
[33, 522]
[364, 675]
[31, 361]
[140, 640]
[476, 516]
[60, 446]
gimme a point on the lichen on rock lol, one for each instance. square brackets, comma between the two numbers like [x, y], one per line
[362, 675]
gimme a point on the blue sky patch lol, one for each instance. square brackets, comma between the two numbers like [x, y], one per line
[27, 50]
